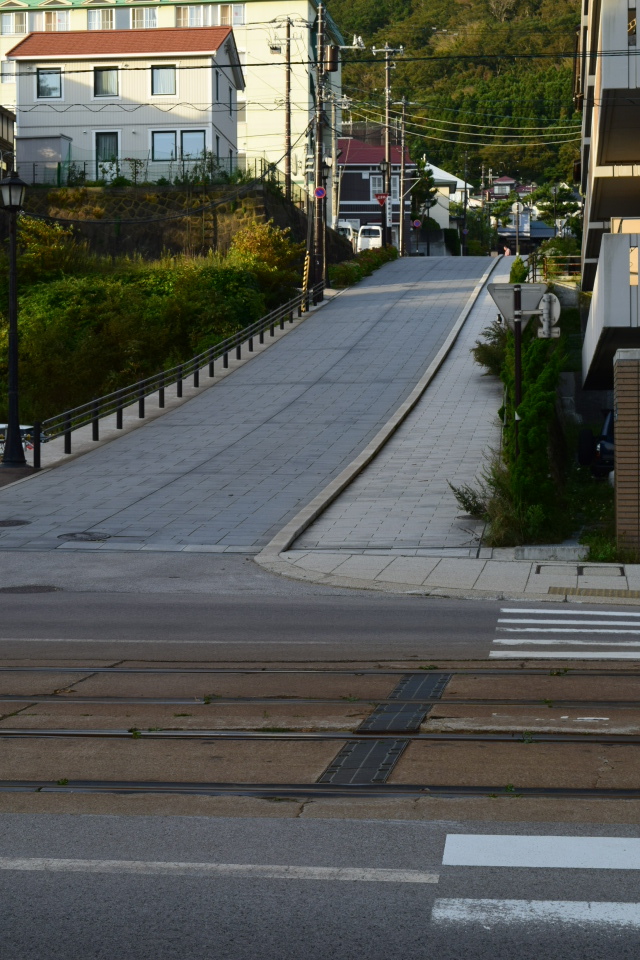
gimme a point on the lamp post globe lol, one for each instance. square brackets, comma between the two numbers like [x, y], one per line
[12, 191]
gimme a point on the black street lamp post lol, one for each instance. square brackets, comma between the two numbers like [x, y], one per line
[12, 189]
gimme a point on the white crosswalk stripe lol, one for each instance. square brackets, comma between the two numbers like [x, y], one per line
[571, 634]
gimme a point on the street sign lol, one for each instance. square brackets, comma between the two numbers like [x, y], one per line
[465, 231]
[517, 207]
[417, 223]
[554, 308]
[381, 198]
[319, 193]
[389, 213]
[531, 295]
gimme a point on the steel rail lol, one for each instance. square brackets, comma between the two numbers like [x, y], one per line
[301, 791]
[520, 736]
[299, 701]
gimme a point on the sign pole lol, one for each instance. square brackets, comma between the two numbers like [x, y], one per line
[517, 331]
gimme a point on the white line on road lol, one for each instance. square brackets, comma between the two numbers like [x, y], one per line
[600, 623]
[584, 912]
[561, 630]
[543, 641]
[574, 613]
[506, 850]
[564, 655]
[255, 870]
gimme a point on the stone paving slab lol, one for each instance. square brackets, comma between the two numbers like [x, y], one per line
[402, 499]
[230, 467]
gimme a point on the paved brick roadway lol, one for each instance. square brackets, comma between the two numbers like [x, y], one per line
[403, 499]
[230, 467]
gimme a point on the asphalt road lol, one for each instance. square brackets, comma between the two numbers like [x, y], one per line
[155, 909]
[158, 606]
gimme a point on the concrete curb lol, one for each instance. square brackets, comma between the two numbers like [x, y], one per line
[269, 557]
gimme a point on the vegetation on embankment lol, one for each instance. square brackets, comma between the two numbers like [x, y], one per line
[89, 325]
[363, 264]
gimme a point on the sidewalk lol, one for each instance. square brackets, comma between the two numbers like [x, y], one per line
[397, 527]
[227, 469]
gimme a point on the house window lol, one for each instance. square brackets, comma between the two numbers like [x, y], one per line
[163, 81]
[106, 147]
[101, 20]
[192, 143]
[230, 102]
[13, 23]
[217, 149]
[217, 86]
[49, 83]
[395, 188]
[105, 81]
[52, 21]
[163, 145]
[241, 112]
[190, 16]
[231, 14]
[144, 18]
[8, 72]
[376, 184]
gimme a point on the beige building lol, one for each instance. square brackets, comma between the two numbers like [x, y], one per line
[259, 28]
[146, 105]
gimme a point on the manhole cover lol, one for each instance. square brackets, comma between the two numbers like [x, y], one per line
[30, 588]
[84, 536]
[14, 523]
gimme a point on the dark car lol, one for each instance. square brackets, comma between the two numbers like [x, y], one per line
[597, 452]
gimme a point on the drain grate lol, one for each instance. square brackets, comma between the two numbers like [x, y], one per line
[395, 718]
[595, 592]
[364, 761]
[14, 523]
[84, 536]
[414, 686]
[30, 588]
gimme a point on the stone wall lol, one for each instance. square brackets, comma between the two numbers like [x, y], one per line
[149, 220]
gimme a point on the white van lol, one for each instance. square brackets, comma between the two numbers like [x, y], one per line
[369, 236]
[345, 229]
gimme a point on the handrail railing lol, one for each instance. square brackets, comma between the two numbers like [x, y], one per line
[557, 267]
[63, 424]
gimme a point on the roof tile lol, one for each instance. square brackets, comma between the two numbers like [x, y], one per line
[100, 43]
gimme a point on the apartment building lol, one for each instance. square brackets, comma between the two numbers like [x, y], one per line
[259, 28]
[149, 105]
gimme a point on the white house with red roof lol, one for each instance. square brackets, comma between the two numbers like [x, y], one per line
[361, 180]
[143, 104]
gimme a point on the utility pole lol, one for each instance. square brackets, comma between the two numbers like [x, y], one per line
[287, 112]
[386, 186]
[318, 232]
[402, 177]
[464, 212]
[335, 180]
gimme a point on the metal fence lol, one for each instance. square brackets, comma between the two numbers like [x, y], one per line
[92, 412]
[542, 267]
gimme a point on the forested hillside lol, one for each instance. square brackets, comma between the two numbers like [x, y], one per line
[489, 78]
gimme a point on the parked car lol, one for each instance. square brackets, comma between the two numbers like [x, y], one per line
[597, 452]
[346, 229]
[369, 236]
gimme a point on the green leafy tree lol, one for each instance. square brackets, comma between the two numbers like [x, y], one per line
[424, 191]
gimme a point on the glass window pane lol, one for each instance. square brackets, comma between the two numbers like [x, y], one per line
[238, 14]
[105, 82]
[225, 14]
[8, 71]
[106, 146]
[163, 81]
[49, 83]
[192, 143]
[100, 20]
[144, 18]
[163, 145]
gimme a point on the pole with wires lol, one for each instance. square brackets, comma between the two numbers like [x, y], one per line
[318, 232]
[402, 177]
[287, 112]
[386, 186]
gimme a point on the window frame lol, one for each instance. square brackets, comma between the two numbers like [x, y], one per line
[153, 134]
[193, 156]
[106, 96]
[13, 14]
[201, 7]
[49, 70]
[375, 178]
[164, 66]
[8, 71]
[55, 16]
[143, 11]
[101, 11]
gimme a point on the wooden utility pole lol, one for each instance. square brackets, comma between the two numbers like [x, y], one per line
[386, 185]
[287, 112]
[335, 179]
[402, 232]
[318, 232]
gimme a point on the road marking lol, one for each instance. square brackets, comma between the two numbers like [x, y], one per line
[562, 655]
[600, 623]
[574, 613]
[505, 850]
[580, 912]
[255, 870]
[562, 630]
[578, 643]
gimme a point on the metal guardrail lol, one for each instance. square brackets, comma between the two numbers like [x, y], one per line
[549, 268]
[92, 412]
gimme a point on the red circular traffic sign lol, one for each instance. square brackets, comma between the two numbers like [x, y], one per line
[417, 223]
[319, 193]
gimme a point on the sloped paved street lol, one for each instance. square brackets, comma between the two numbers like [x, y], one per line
[230, 467]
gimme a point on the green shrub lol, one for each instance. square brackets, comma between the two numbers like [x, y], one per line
[351, 271]
[519, 271]
[452, 241]
[490, 351]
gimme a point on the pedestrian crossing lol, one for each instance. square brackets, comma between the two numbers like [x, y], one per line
[566, 634]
